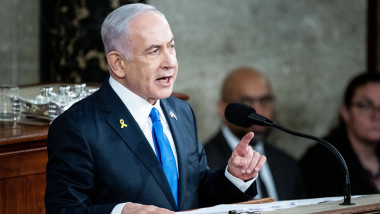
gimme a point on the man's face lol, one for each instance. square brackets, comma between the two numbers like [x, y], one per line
[253, 91]
[152, 67]
[362, 118]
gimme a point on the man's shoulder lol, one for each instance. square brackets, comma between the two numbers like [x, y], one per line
[316, 156]
[275, 154]
[172, 100]
[82, 106]
[217, 151]
[276, 151]
[178, 106]
[81, 111]
[215, 141]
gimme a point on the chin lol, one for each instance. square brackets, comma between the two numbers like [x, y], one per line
[375, 138]
[164, 94]
[258, 129]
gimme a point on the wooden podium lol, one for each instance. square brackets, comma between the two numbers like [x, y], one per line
[23, 158]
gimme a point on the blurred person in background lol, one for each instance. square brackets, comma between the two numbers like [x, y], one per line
[357, 138]
[280, 177]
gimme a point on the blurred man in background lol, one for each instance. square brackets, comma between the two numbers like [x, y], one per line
[280, 178]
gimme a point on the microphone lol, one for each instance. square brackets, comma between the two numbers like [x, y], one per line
[245, 116]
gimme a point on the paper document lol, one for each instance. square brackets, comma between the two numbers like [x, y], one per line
[224, 208]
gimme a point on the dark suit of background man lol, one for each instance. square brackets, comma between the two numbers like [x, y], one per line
[280, 178]
[101, 151]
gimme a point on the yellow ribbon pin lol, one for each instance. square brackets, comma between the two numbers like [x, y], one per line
[122, 123]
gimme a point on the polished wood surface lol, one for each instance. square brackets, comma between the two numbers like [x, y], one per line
[16, 133]
[258, 201]
[23, 158]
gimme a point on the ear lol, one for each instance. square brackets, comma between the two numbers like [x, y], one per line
[344, 113]
[116, 62]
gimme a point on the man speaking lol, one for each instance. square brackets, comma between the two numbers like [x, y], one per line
[131, 147]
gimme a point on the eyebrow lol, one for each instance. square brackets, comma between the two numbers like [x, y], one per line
[157, 46]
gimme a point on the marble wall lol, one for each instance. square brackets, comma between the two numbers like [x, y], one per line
[308, 50]
[19, 42]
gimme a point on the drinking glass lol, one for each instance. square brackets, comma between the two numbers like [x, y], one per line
[9, 103]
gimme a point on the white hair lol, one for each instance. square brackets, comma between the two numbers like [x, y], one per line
[115, 27]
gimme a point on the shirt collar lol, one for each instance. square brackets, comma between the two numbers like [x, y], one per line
[139, 107]
[233, 141]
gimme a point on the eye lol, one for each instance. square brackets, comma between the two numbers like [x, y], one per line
[154, 51]
[172, 46]
[364, 106]
[246, 100]
[266, 100]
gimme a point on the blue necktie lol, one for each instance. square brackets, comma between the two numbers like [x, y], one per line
[164, 152]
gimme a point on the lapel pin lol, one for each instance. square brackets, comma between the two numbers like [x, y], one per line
[172, 115]
[122, 123]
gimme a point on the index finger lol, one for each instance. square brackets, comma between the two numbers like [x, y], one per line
[244, 143]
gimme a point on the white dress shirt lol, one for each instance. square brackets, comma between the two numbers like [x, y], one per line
[140, 110]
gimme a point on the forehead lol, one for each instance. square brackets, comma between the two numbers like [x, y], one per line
[250, 86]
[149, 26]
[370, 91]
[245, 85]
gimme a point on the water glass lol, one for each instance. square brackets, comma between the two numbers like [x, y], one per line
[9, 103]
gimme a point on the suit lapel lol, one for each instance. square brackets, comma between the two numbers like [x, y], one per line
[174, 121]
[134, 138]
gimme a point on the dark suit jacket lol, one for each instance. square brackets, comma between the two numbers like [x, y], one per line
[323, 173]
[95, 164]
[284, 169]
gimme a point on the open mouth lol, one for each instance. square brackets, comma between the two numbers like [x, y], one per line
[166, 79]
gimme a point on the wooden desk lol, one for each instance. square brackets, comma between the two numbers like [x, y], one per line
[23, 158]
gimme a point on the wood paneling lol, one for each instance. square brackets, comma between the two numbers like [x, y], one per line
[23, 158]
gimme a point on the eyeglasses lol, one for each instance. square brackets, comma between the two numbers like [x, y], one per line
[264, 101]
[367, 107]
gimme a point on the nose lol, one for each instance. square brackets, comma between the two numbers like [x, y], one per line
[259, 108]
[169, 60]
[376, 113]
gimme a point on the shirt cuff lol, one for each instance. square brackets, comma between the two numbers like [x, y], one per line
[118, 208]
[240, 184]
